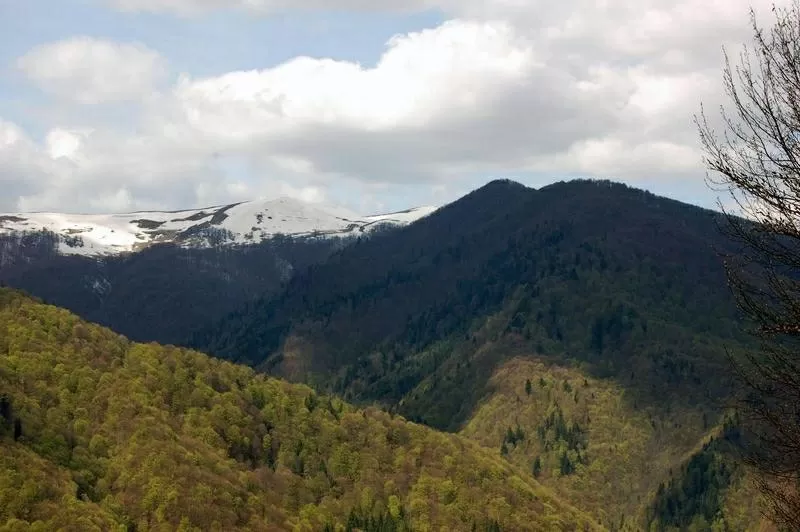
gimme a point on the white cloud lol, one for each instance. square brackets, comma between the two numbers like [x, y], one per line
[89, 71]
[23, 169]
[65, 143]
[466, 96]
[604, 89]
[423, 78]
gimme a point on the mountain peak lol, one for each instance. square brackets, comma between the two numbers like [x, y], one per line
[503, 184]
[247, 222]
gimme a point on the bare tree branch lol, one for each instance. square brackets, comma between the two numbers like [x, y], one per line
[757, 161]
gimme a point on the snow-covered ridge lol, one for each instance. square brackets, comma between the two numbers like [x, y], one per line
[238, 223]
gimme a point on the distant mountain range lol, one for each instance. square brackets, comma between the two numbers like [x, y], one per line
[578, 331]
[237, 223]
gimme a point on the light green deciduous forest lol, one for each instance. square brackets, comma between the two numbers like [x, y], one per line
[99, 433]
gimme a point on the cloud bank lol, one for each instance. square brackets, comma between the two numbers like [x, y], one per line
[603, 89]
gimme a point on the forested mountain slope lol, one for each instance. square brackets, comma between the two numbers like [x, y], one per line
[98, 433]
[597, 282]
[161, 293]
[623, 282]
[633, 466]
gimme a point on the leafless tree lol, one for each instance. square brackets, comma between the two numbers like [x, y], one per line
[756, 159]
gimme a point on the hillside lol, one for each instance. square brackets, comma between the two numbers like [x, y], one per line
[616, 287]
[621, 281]
[158, 276]
[632, 466]
[160, 293]
[98, 433]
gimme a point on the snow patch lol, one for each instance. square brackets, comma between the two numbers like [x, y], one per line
[238, 223]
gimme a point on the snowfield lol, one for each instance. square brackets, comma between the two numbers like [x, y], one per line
[238, 223]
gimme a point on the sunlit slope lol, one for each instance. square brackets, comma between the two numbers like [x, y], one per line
[99, 433]
[632, 466]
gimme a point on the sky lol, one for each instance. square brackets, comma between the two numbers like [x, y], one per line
[376, 105]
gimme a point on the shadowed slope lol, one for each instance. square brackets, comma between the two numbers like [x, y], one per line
[619, 279]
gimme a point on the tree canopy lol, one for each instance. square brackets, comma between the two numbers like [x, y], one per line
[114, 435]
